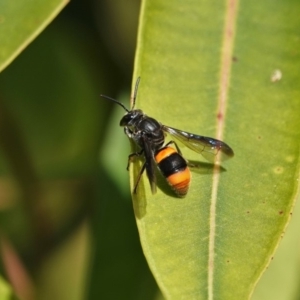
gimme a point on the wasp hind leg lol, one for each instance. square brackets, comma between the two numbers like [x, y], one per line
[176, 146]
[178, 150]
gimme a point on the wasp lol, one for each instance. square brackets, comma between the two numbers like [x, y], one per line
[149, 135]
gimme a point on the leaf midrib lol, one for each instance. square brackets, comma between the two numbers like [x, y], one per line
[226, 62]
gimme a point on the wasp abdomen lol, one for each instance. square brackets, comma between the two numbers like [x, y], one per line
[174, 168]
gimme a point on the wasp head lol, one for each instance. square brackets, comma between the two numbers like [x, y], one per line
[131, 117]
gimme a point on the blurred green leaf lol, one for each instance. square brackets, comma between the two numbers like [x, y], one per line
[115, 150]
[21, 22]
[51, 125]
[117, 21]
[51, 128]
[56, 105]
[118, 259]
[231, 71]
[281, 279]
[5, 290]
[74, 254]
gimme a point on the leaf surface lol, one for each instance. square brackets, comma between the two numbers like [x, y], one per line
[228, 70]
[21, 22]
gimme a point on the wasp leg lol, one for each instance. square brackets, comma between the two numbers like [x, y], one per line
[139, 178]
[191, 165]
[177, 148]
[131, 156]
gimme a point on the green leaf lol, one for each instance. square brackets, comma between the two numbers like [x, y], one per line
[56, 103]
[229, 70]
[21, 22]
[281, 279]
[5, 290]
[50, 129]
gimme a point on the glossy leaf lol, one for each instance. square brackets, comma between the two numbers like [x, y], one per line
[21, 22]
[229, 70]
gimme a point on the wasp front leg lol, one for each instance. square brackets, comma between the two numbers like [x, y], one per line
[130, 159]
[132, 156]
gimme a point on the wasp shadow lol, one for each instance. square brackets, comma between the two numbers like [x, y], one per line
[205, 168]
[139, 199]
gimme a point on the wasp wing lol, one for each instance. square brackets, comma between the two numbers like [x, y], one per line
[150, 163]
[208, 147]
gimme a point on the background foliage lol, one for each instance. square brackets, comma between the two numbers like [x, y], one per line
[66, 213]
[66, 217]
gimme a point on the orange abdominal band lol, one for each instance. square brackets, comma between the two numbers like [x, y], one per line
[174, 168]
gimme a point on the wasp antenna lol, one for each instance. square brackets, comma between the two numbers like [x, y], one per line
[135, 91]
[116, 101]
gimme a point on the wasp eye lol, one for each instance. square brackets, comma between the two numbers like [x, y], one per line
[126, 119]
[129, 118]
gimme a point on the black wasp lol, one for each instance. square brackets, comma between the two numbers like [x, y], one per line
[149, 135]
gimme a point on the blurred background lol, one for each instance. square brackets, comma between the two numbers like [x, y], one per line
[67, 224]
